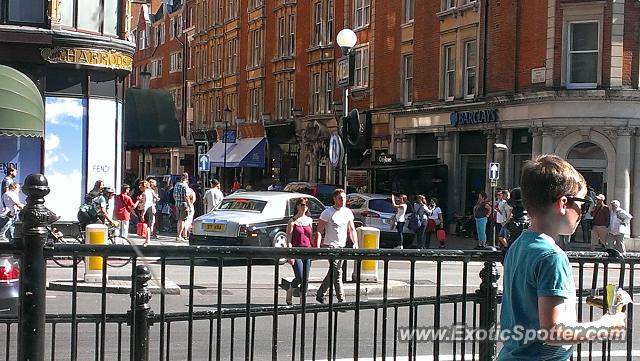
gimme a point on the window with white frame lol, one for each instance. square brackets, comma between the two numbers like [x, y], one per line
[159, 34]
[407, 13]
[172, 28]
[142, 40]
[179, 25]
[232, 9]
[280, 100]
[583, 54]
[407, 79]
[317, 24]
[329, 25]
[219, 57]
[256, 48]
[470, 69]
[448, 4]
[212, 61]
[361, 13]
[290, 98]
[256, 4]
[449, 71]
[315, 100]
[219, 12]
[175, 61]
[205, 64]
[232, 56]
[291, 42]
[281, 36]
[254, 104]
[361, 73]
[156, 68]
[328, 92]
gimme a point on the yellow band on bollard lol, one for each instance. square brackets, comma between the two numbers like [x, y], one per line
[95, 262]
[369, 241]
[369, 238]
[94, 234]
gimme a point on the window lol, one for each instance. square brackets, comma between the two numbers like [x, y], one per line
[362, 9]
[212, 62]
[256, 48]
[232, 9]
[361, 76]
[159, 35]
[470, 69]
[142, 40]
[232, 54]
[329, 26]
[218, 108]
[219, 56]
[291, 96]
[407, 14]
[179, 26]
[89, 15]
[219, 12]
[27, 11]
[254, 104]
[204, 63]
[449, 72]
[315, 101]
[448, 4]
[281, 36]
[176, 94]
[292, 35]
[254, 4]
[582, 59]
[407, 79]
[328, 92]
[317, 24]
[172, 28]
[280, 105]
[156, 68]
[175, 61]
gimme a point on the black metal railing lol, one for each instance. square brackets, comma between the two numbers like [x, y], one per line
[234, 309]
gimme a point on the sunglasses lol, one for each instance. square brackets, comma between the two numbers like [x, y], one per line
[303, 204]
[586, 201]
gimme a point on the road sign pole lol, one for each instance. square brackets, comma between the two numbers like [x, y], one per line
[493, 199]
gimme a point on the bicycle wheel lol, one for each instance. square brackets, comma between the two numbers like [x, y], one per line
[68, 260]
[118, 261]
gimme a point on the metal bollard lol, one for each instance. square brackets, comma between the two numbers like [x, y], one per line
[143, 313]
[35, 216]
[488, 309]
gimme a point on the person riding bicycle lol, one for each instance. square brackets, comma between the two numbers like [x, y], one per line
[97, 210]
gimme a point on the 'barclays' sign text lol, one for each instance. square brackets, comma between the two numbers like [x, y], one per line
[475, 117]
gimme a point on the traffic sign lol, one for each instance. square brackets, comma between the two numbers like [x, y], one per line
[336, 149]
[494, 171]
[203, 163]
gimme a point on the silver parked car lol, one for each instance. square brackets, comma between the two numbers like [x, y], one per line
[9, 285]
[251, 219]
[376, 210]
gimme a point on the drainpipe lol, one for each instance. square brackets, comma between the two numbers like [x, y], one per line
[516, 55]
[484, 48]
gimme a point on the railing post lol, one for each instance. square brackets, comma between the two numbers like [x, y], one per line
[488, 309]
[142, 314]
[35, 216]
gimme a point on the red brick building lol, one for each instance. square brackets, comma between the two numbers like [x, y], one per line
[441, 81]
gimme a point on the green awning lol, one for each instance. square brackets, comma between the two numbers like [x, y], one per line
[21, 105]
[150, 119]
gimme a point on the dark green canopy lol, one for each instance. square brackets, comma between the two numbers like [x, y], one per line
[21, 105]
[150, 119]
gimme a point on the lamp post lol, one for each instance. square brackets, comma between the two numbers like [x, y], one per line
[346, 40]
[227, 115]
[502, 147]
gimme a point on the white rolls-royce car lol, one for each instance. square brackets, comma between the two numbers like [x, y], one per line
[251, 219]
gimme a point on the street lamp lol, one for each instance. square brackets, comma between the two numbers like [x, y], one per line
[346, 40]
[501, 147]
[227, 115]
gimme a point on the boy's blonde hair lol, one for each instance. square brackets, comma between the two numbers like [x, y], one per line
[546, 179]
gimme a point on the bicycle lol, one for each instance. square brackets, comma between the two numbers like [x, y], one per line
[55, 236]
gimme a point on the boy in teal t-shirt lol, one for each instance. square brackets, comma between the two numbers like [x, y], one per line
[538, 314]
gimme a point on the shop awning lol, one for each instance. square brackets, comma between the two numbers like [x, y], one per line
[150, 119]
[244, 153]
[21, 105]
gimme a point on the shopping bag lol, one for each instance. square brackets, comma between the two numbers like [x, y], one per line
[142, 229]
[441, 235]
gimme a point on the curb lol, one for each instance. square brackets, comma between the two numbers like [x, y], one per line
[115, 284]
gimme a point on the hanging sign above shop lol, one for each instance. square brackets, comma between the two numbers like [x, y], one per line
[92, 57]
[474, 117]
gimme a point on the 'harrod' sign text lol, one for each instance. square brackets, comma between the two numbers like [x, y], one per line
[475, 117]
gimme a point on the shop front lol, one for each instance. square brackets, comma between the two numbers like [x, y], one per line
[597, 135]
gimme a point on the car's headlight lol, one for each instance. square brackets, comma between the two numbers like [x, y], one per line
[247, 230]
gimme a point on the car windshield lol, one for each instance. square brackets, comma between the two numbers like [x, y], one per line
[381, 205]
[242, 204]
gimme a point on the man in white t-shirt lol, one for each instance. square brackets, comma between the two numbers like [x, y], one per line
[336, 223]
[213, 196]
[12, 206]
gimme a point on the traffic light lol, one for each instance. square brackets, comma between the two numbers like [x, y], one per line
[355, 130]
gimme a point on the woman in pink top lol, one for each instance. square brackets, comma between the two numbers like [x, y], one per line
[299, 232]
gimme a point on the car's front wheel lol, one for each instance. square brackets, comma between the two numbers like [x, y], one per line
[280, 241]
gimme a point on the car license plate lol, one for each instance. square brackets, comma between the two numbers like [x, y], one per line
[216, 227]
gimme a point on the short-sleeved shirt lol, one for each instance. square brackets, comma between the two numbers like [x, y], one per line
[180, 193]
[534, 267]
[6, 182]
[435, 214]
[335, 231]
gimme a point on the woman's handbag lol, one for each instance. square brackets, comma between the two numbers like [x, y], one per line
[441, 235]
[142, 229]
[431, 225]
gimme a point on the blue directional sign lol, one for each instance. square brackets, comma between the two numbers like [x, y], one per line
[203, 163]
[494, 171]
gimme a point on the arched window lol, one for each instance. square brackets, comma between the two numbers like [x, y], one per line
[586, 150]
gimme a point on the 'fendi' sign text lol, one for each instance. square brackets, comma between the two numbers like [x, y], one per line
[92, 57]
[475, 117]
